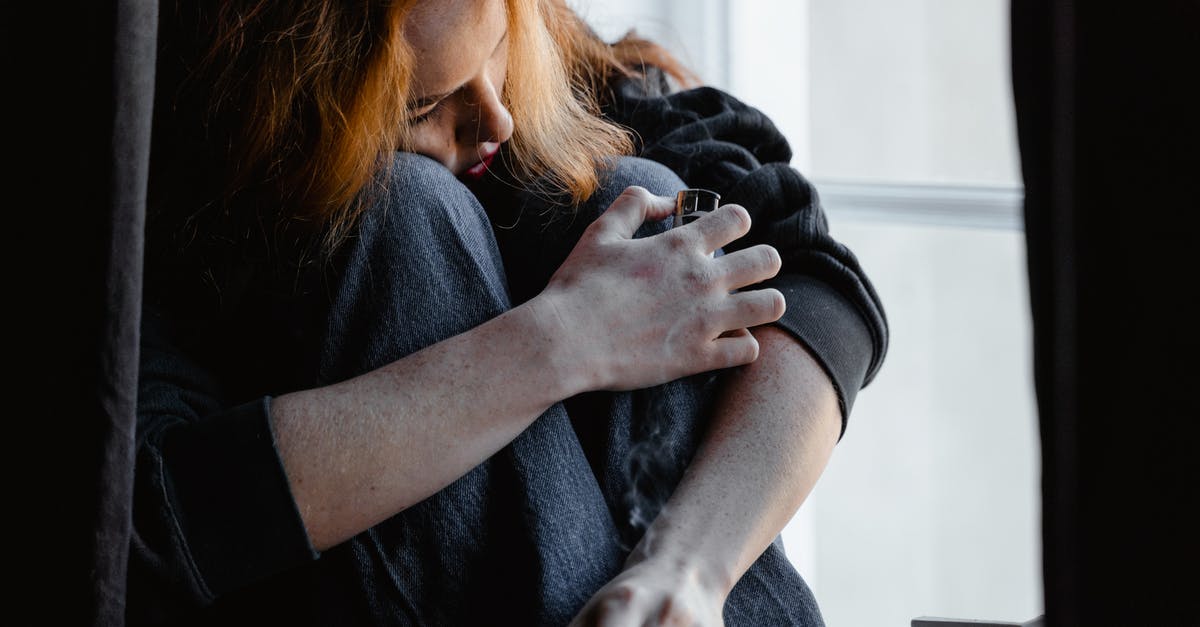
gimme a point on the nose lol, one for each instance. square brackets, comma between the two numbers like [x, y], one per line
[492, 123]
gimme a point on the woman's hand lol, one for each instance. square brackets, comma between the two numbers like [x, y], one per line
[639, 312]
[653, 592]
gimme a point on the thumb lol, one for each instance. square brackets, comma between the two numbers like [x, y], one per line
[632, 208]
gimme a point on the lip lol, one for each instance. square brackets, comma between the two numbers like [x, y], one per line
[477, 171]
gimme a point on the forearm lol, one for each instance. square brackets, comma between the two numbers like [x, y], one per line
[360, 451]
[772, 433]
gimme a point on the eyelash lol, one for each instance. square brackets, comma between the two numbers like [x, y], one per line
[425, 117]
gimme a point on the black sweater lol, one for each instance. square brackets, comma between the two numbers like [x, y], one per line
[713, 140]
[201, 530]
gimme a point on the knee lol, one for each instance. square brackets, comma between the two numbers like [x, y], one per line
[624, 172]
[424, 227]
[423, 256]
[422, 214]
[419, 194]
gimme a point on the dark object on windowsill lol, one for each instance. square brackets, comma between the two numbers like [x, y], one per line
[931, 621]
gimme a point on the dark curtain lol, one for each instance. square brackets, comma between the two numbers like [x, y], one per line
[78, 93]
[1107, 115]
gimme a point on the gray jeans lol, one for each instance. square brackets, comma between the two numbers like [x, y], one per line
[529, 535]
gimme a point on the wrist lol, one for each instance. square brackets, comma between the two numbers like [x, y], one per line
[551, 336]
[707, 571]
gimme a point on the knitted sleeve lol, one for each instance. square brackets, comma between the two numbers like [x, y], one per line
[212, 509]
[713, 140]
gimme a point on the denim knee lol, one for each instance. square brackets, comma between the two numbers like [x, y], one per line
[624, 172]
[422, 266]
[421, 203]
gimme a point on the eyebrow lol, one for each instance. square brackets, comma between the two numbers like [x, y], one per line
[425, 101]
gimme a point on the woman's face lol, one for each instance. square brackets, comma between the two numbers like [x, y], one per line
[456, 108]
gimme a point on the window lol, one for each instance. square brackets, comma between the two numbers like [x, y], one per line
[900, 112]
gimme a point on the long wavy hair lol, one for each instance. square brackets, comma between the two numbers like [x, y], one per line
[300, 103]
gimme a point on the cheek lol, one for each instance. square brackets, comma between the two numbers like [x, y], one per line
[434, 139]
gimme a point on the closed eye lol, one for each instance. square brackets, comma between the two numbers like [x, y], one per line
[426, 116]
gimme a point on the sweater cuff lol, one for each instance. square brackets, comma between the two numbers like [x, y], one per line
[231, 499]
[832, 329]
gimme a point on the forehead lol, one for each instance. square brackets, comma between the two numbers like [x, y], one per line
[451, 40]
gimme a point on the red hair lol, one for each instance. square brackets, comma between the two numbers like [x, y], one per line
[305, 100]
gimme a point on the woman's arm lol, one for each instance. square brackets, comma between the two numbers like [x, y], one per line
[362, 450]
[780, 417]
[357, 452]
[228, 495]
[774, 429]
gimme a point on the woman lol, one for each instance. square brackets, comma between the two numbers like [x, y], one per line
[385, 387]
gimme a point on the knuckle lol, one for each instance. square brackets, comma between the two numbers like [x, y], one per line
[762, 263]
[722, 355]
[767, 306]
[628, 200]
[636, 193]
[697, 326]
[752, 309]
[677, 241]
[677, 611]
[698, 278]
[594, 232]
[626, 593]
[739, 216]
[606, 611]
[756, 264]
[568, 279]
[614, 603]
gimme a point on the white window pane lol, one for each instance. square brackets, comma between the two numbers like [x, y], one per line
[912, 90]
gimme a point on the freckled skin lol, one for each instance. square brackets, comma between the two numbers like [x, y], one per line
[774, 430]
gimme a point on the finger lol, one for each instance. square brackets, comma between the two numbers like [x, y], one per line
[749, 266]
[752, 308]
[631, 209]
[728, 350]
[718, 228]
[734, 333]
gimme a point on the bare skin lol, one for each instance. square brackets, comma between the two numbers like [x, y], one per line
[773, 432]
[363, 450]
